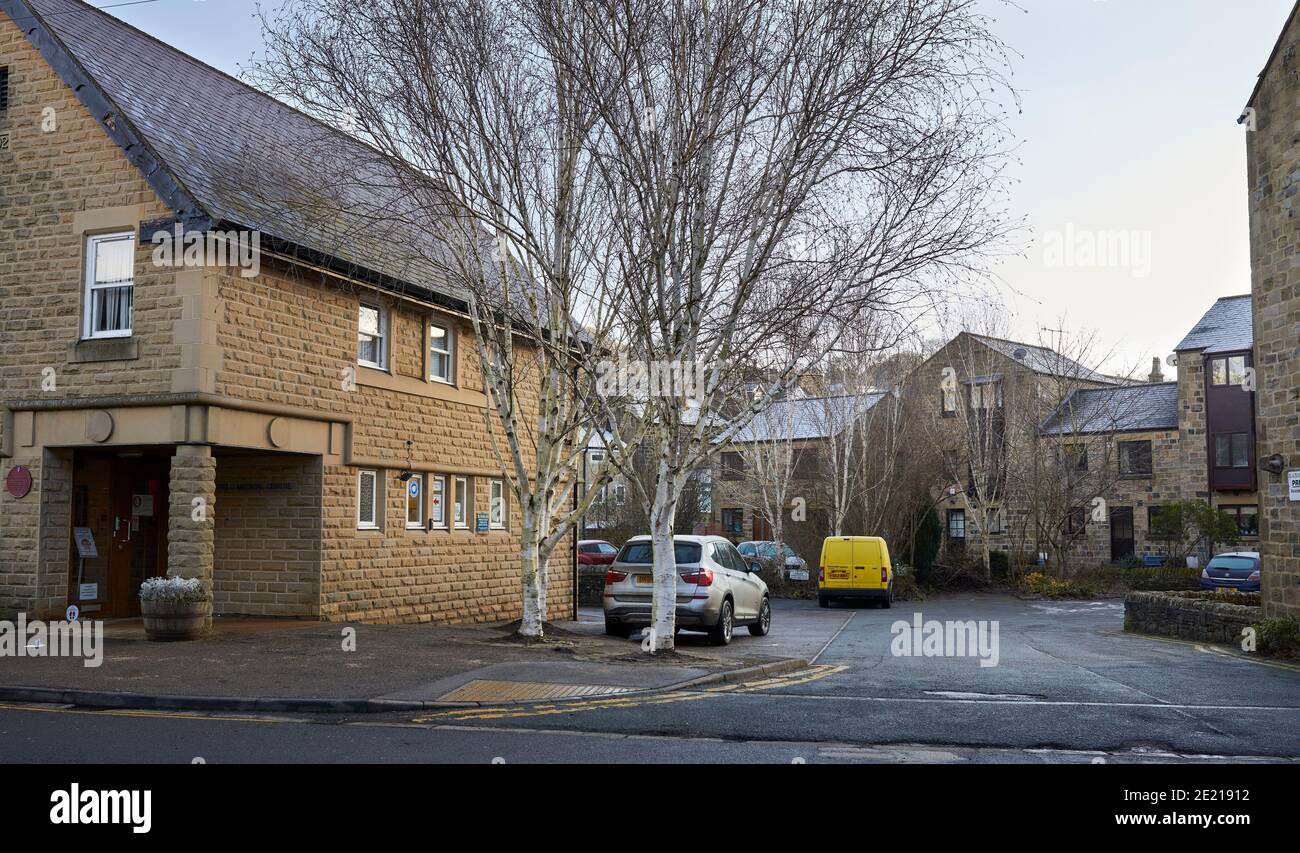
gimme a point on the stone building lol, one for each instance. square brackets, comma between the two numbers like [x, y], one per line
[1273, 175]
[300, 423]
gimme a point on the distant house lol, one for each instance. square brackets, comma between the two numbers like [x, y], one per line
[1272, 154]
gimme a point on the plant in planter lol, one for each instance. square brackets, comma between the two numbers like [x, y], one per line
[175, 608]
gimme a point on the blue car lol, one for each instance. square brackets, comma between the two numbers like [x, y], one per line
[1238, 570]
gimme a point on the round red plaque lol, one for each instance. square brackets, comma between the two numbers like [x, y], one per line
[18, 482]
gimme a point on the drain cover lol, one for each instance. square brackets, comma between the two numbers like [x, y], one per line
[481, 690]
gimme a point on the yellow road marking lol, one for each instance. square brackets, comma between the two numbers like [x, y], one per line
[126, 712]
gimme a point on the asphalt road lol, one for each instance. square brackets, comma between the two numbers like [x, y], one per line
[1067, 686]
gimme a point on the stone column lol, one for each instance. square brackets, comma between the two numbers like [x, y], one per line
[191, 520]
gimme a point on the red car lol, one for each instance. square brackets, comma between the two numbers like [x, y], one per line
[596, 552]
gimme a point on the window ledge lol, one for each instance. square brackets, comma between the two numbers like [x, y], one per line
[92, 350]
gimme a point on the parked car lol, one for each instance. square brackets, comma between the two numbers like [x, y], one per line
[1237, 570]
[855, 567]
[795, 567]
[596, 552]
[717, 589]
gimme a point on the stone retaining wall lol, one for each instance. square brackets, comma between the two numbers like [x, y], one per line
[1191, 615]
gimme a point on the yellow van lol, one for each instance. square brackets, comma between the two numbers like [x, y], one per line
[855, 567]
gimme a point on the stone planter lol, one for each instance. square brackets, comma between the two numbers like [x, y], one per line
[169, 621]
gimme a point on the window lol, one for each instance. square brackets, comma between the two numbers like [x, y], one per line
[437, 511]
[415, 502]
[497, 505]
[987, 395]
[620, 493]
[1073, 457]
[368, 499]
[733, 522]
[1232, 450]
[460, 514]
[1076, 520]
[704, 481]
[442, 349]
[1228, 371]
[998, 521]
[372, 336]
[1247, 518]
[956, 524]
[948, 402]
[733, 466]
[4, 88]
[110, 285]
[1135, 458]
[641, 552]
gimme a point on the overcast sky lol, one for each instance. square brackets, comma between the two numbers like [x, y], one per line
[1128, 129]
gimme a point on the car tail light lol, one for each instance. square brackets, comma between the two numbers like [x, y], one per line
[884, 575]
[1205, 573]
[1254, 576]
[821, 574]
[704, 577]
[612, 576]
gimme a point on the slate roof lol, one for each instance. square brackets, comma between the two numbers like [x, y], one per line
[216, 149]
[807, 417]
[1130, 408]
[1043, 360]
[1226, 327]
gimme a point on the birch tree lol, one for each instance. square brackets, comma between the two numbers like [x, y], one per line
[486, 144]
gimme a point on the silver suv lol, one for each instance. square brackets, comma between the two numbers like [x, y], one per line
[716, 589]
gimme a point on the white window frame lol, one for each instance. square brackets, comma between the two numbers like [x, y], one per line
[497, 492]
[376, 499]
[382, 337]
[437, 484]
[88, 321]
[449, 353]
[460, 509]
[620, 493]
[418, 524]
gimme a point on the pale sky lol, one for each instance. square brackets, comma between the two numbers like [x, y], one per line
[1129, 125]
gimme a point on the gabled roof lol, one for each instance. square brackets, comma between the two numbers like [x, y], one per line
[1226, 327]
[221, 153]
[1277, 47]
[1130, 408]
[1043, 360]
[807, 418]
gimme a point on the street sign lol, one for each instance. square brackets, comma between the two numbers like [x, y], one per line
[1293, 485]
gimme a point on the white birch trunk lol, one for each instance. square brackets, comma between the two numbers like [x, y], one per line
[534, 583]
[663, 613]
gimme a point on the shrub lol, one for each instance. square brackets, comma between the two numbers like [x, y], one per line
[906, 587]
[1037, 583]
[173, 589]
[999, 564]
[1280, 636]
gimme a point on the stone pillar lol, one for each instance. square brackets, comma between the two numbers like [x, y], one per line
[191, 520]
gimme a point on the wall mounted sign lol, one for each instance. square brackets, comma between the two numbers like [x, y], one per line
[18, 482]
[85, 540]
[88, 591]
[481, 522]
[1293, 485]
[142, 505]
[413, 488]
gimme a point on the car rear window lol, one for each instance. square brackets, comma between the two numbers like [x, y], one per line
[1232, 563]
[643, 553]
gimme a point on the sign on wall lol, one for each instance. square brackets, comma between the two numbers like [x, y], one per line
[481, 522]
[18, 482]
[1293, 485]
[88, 591]
[142, 505]
[85, 540]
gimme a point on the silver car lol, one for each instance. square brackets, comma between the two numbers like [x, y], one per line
[717, 589]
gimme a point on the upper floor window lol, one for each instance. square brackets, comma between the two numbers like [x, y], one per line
[372, 336]
[1073, 457]
[948, 402]
[110, 285]
[1232, 450]
[1228, 371]
[956, 524]
[986, 395]
[4, 88]
[1135, 458]
[442, 350]
[733, 465]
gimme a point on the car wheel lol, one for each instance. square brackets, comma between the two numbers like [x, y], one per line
[764, 623]
[823, 601]
[614, 629]
[720, 634]
[889, 596]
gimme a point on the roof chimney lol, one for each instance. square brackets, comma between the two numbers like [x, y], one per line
[1156, 375]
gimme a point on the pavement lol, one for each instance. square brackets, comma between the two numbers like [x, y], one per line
[296, 665]
[1069, 686]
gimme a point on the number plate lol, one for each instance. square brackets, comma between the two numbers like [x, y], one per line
[644, 580]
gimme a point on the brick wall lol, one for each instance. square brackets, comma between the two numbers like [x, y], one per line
[1273, 172]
